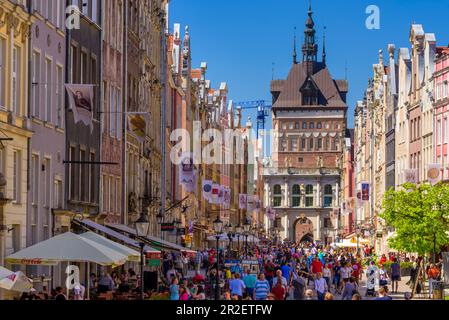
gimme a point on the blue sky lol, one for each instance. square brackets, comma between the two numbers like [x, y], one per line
[240, 40]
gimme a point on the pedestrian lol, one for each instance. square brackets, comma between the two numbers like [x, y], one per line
[309, 294]
[60, 296]
[200, 294]
[183, 294]
[250, 281]
[433, 273]
[337, 276]
[174, 289]
[105, 283]
[320, 286]
[327, 273]
[329, 296]
[299, 284]
[279, 290]
[383, 294]
[280, 278]
[261, 288]
[357, 297]
[269, 271]
[237, 286]
[349, 290]
[395, 275]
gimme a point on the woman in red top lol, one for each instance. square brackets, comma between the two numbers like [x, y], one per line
[279, 291]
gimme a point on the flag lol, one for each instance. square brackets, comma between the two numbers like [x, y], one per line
[411, 175]
[81, 103]
[242, 201]
[227, 197]
[220, 195]
[365, 191]
[250, 203]
[215, 193]
[187, 173]
[434, 173]
[207, 189]
[137, 124]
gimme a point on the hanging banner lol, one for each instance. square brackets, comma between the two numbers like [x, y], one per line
[250, 203]
[365, 191]
[81, 103]
[257, 204]
[207, 189]
[271, 214]
[227, 197]
[434, 173]
[221, 195]
[411, 175]
[242, 201]
[137, 124]
[187, 174]
[214, 193]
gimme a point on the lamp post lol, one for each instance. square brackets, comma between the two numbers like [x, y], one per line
[142, 226]
[218, 228]
[246, 228]
[358, 232]
[238, 231]
[230, 235]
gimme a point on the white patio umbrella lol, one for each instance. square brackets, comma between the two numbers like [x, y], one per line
[132, 255]
[67, 247]
[14, 281]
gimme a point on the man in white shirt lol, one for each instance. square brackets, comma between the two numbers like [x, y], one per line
[320, 286]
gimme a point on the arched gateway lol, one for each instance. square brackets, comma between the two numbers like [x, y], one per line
[303, 230]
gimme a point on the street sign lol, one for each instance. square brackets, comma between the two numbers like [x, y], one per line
[166, 227]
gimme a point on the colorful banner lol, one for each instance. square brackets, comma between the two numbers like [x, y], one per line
[214, 199]
[434, 173]
[137, 124]
[365, 191]
[243, 201]
[81, 102]
[187, 173]
[411, 175]
[227, 197]
[250, 203]
[207, 189]
[271, 214]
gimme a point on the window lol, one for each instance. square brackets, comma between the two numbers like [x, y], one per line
[303, 144]
[439, 131]
[72, 175]
[47, 182]
[16, 176]
[35, 85]
[291, 126]
[82, 177]
[297, 125]
[328, 196]
[301, 160]
[104, 182]
[319, 126]
[93, 80]
[112, 112]
[311, 144]
[57, 198]
[48, 93]
[119, 114]
[59, 95]
[320, 144]
[304, 125]
[2, 161]
[277, 198]
[312, 125]
[294, 144]
[92, 185]
[296, 196]
[34, 179]
[309, 195]
[284, 126]
[73, 74]
[118, 196]
[84, 72]
[2, 71]
[15, 99]
[16, 238]
[445, 130]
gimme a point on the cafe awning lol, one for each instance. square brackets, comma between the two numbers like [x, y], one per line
[67, 247]
[93, 226]
[154, 241]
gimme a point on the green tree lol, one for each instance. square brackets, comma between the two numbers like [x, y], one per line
[420, 216]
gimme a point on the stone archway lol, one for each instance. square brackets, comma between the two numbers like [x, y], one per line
[303, 230]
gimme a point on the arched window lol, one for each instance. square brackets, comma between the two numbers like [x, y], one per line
[277, 196]
[309, 195]
[328, 196]
[296, 196]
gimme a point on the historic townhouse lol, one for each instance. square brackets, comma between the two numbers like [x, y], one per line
[303, 182]
[145, 30]
[47, 110]
[441, 104]
[112, 112]
[15, 126]
[83, 141]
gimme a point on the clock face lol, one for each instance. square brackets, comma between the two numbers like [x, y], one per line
[434, 173]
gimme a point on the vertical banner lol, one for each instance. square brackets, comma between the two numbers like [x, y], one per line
[215, 193]
[411, 175]
[221, 195]
[250, 203]
[137, 124]
[227, 197]
[271, 214]
[81, 102]
[434, 173]
[187, 174]
[257, 204]
[242, 201]
[207, 189]
[365, 191]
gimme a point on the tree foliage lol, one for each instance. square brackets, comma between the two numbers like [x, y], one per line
[420, 215]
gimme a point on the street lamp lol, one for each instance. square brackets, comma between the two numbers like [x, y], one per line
[246, 227]
[142, 226]
[358, 232]
[238, 231]
[230, 235]
[218, 228]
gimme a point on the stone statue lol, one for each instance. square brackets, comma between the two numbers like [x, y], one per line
[320, 162]
[338, 161]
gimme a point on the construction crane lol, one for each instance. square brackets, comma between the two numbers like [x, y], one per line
[263, 111]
